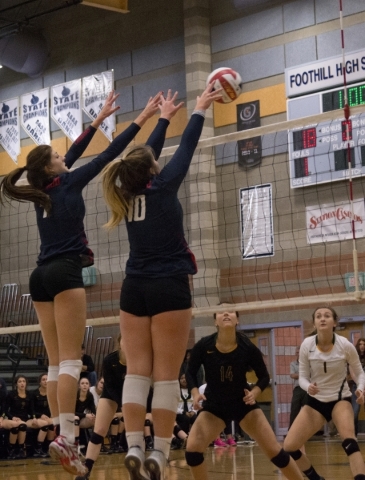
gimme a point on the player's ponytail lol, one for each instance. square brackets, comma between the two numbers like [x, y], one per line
[37, 178]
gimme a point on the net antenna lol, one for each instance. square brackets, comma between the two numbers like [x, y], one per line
[348, 124]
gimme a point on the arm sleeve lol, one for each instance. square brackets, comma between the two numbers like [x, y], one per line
[304, 367]
[79, 146]
[174, 172]
[356, 368]
[157, 138]
[83, 175]
[195, 361]
[259, 367]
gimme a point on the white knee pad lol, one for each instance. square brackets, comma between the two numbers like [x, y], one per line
[166, 395]
[136, 389]
[53, 371]
[71, 367]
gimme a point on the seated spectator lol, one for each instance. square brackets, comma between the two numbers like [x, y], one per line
[185, 416]
[18, 407]
[85, 407]
[97, 390]
[88, 367]
[41, 411]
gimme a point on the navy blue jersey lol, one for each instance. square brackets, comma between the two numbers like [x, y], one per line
[225, 373]
[63, 230]
[155, 218]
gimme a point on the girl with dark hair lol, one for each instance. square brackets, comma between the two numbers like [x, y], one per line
[323, 361]
[155, 300]
[56, 285]
[19, 408]
[41, 410]
[227, 356]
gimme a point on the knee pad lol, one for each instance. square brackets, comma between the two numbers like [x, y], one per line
[71, 367]
[295, 455]
[96, 439]
[14, 430]
[176, 430]
[350, 446]
[115, 421]
[22, 427]
[194, 459]
[166, 395]
[45, 428]
[52, 375]
[147, 423]
[136, 389]
[77, 422]
[281, 460]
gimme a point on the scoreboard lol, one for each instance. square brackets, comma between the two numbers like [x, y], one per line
[319, 153]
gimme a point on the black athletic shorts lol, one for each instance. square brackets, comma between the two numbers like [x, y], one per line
[56, 276]
[146, 297]
[324, 408]
[114, 394]
[230, 412]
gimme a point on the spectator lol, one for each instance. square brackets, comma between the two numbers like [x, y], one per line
[88, 367]
[185, 413]
[360, 348]
[97, 390]
[19, 408]
[85, 407]
[41, 411]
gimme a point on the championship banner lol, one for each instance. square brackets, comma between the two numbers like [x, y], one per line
[250, 149]
[35, 116]
[10, 128]
[95, 90]
[328, 223]
[66, 109]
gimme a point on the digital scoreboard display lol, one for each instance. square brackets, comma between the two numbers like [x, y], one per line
[320, 153]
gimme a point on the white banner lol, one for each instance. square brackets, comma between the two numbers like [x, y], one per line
[333, 222]
[324, 74]
[95, 90]
[10, 128]
[35, 116]
[66, 109]
[257, 230]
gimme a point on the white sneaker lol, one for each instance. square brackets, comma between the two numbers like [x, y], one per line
[155, 465]
[134, 462]
[66, 453]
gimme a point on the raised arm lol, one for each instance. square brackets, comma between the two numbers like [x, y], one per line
[83, 175]
[82, 142]
[168, 110]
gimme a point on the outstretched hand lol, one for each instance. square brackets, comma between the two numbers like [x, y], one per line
[152, 105]
[108, 109]
[207, 97]
[167, 107]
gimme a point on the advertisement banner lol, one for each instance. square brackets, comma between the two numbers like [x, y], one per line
[249, 150]
[35, 116]
[333, 222]
[66, 108]
[95, 90]
[10, 128]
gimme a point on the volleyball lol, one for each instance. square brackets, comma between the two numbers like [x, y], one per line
[229, 80]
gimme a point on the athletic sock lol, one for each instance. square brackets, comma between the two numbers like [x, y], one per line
[163, 445]
[311, 473]
[135, 439]
[89, 464]
[67, 426]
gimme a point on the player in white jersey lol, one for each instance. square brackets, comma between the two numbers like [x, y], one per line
[323, 361]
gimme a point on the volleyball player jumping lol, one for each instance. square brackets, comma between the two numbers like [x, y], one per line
[155, 298]
[56, 285]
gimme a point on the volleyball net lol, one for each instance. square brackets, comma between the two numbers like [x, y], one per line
[273, 215]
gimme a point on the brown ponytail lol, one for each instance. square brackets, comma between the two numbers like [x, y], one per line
[37, 177]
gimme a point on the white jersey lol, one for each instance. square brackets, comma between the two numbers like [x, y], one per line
[329, 369]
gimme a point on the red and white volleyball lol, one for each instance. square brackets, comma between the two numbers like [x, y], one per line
[229, 80]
